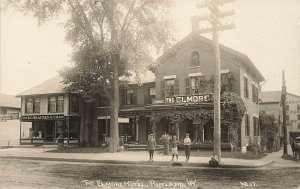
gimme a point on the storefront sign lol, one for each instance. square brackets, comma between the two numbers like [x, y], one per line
[42, 117]
[9, 116]
[191, 99]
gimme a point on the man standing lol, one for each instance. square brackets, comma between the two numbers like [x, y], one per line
[187, 143]
[151, 146]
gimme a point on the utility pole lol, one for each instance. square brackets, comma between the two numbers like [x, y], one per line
[215, 18]
[283, 99]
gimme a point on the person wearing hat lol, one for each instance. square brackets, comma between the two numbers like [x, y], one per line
[151, 146]
[187, 143]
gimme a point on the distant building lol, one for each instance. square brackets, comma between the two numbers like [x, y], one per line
[271, 104]
[9, 119]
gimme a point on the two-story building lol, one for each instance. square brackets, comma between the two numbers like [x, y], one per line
[176, 87]
[271, 104]
[51, 112]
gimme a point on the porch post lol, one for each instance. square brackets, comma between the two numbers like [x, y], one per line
[137, 130]
[177, 128]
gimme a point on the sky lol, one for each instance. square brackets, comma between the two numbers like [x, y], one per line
[267, 31]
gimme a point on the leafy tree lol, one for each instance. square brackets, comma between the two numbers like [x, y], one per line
[110, 38]
[269, 129]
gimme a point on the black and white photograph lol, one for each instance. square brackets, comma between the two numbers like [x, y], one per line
[154, 94]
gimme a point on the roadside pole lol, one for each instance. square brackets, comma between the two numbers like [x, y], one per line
[283, 98]
[215, 18]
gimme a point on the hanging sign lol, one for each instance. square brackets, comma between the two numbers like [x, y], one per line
[190, 99]
[9, 116]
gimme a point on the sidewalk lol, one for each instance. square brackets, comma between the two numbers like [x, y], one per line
[139, 158]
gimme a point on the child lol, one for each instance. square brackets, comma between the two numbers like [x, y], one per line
[151, 146]
[187, 143]
[174, 148]
[214, 160]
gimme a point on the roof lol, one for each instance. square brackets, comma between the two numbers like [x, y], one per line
[245, 61]
[10, 101]
[51, 86]
[272, 96]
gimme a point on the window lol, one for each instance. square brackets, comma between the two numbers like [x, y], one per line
[74, 104]
[298, 107]
[195, 59]
[170, 87]
[254, 94]
[298, 117]
[56, 104]
[129, 97]
[299, 126]
[32, 105]
[256, 126]
[195, 85]
[247, 125]
[287, 107]
[246, 91]
[60, 104]
[287, 117]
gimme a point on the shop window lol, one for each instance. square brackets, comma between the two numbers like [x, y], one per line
[33, 105]
[74, 103]
[246, 90]
[195, 59]
[56, 104]
[247, 124]
[170, 87]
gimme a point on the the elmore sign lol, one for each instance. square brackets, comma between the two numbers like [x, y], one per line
[42, 117]
[190, 99]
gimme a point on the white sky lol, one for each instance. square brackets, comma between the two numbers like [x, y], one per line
[268, 31]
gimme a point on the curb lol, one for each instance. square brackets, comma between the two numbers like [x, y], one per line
[140, 163]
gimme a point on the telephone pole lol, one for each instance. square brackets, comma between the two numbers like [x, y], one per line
[283, 99]
[215, 18]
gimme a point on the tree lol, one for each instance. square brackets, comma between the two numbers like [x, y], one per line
[111, 38]
[269, 129]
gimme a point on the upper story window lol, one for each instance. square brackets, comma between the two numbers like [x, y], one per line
[298, 107]
[74, 103]
[246, 90]
[170, 87]
[254, 94]
[287, 107]
[56, 104]
[195, 59]
[129, 97]
[32, 105]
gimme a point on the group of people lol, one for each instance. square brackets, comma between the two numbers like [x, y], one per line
[173, 144]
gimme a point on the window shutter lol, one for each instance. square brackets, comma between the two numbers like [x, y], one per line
[187, 86]
[176, 87]
[162, 89]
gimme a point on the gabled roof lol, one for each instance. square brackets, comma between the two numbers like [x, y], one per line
[245, 61]
[273, 96]
[10, 101]
[51, 86]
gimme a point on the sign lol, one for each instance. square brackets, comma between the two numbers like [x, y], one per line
[42, 117]
[9, 116]
[190, 99]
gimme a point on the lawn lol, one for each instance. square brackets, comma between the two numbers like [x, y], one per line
[80, 150]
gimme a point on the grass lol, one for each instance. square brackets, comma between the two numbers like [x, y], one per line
[80, 150]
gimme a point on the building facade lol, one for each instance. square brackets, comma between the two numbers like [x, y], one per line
[177, 85]
[271, 104]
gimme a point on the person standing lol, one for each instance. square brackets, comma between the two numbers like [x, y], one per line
[187, 143]
[174, 149]
[151, 146]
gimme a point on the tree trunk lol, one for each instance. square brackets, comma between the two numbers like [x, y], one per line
[114, 108]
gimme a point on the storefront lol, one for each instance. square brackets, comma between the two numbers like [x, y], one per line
[47, 128]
